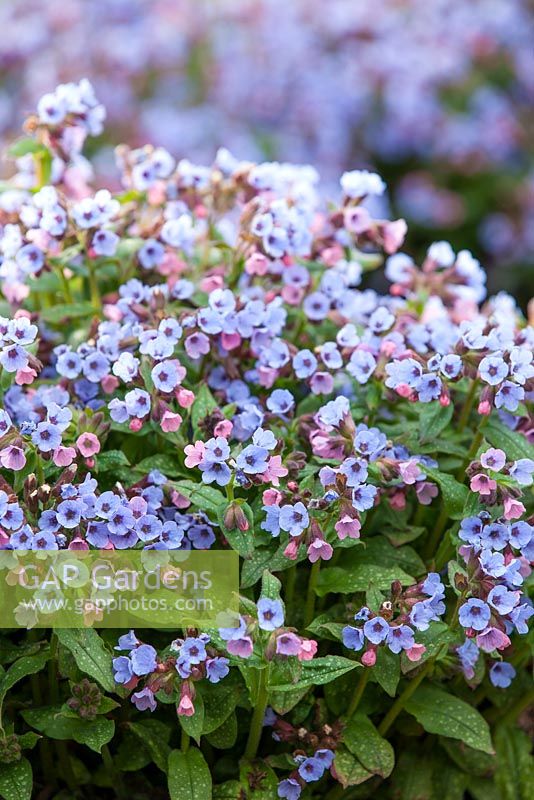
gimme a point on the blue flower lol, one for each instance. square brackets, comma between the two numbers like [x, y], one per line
[253, 460]
[355, 471]
[502, 674]
[428, 388]
[265, 439]
[304, 364]
[165, 376]
[376, 630]
[353, 638]
[474, 614]
[69, 513]
[361, 365]
[493, 369]
[509, 396]
[217, 668]
[294, 519]
[272, 521]
[105, 243]
[193, 650]
[363, 497]
[270, 614]
[495, 536]
[217, 449]
[143, 659]
[122, 669]
[289, 789]
[522, 471]
[13, 358]
[148, 527]
[280, 402]
[151, 254]
[502, 600]
[46, 436]
[127, 641]
[400, 637]
[311, 769]
[468, 654]
[215, 471]
[137, 403]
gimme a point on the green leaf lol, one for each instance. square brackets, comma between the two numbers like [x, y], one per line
[167, 464]
[219, 703]
[16, 780]
[270, 586]
[110, 460]
[27, 665]
[387, 670]
[412, 778]
[348, 769]
[189, 776]
[373, 751]
[58, 312]
[24, 147]
[225, 735]
[443, 713]
[318, 672]
[90, 654]
[454, 494]
[515, 766]
[154, 735]
[433, 419]
[58, 723]
[204, 497]
[514, 444]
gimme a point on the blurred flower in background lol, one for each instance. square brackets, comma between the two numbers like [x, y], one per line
[436, 95]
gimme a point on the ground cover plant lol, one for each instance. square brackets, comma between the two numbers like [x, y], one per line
[196, 362]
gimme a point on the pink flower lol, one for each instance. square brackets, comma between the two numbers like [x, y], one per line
[64, 456]
[426, 492]
[185, 706]
[78, 544]
[513, 509]
[170, 422]
[211, 282]
[319, 549]
[324, 447]
[256, 264]
[397, 500]
[292, 295]
[308, 648]
[492, 639]
[109, 383]
[482, 484]
[415, 652]
[409, 470]
[357, 220]
[271, 497]
[195, 454]
[179, 500]
[223, 428]
[240, 647]
[292, 549]
[493, 459]
[12, 457]
[25, 376]
[274, 471]
[230, 340]
[394, 234]
[322, 383]
[88, 444]
[348, 526]
[288, 644]
[185, 398]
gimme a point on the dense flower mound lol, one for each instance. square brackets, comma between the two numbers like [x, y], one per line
[198, 362]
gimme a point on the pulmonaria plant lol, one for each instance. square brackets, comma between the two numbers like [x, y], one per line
[199, 362]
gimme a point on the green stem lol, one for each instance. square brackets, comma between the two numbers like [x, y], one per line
[434, 538]
[67, 294]
[256, 725]
[184, 742]
[309, 612]
[400, 702]
[358, 692]
[475, 444]
[93, 286]
[468, 405]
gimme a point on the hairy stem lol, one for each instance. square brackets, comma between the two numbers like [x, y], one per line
[256, 725]
[400, 702]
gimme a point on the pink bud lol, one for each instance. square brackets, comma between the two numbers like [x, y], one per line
[135, 424]
[415, 653]
[369, 658]
[484, 408]
[185, 398]
[223, 428]
[230, 340]
[292, 549]
[256, 264]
